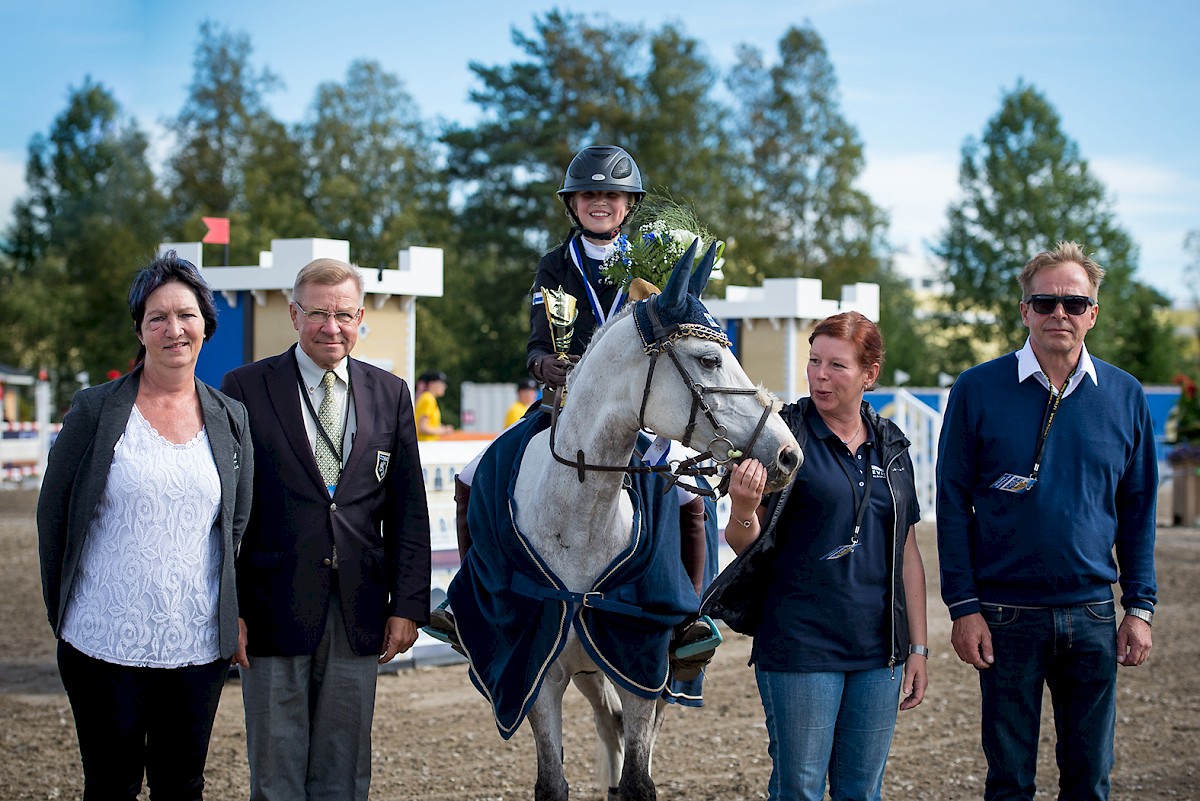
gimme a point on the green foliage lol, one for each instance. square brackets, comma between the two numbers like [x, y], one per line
[800, 213]
[773, 169]
[1025, 187]
[650, 250]
[92, 214]
[373, 174]
[229, 148]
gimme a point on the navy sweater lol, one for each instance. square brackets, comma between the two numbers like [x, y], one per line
[1052, 545]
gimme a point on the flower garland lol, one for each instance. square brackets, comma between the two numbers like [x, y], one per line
[651, 253]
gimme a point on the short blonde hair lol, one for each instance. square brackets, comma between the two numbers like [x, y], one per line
[329, 272]
[1062, 253]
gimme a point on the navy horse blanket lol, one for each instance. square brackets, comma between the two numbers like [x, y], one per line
[513, 614]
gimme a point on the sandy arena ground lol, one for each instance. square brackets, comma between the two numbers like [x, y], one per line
[435, 739]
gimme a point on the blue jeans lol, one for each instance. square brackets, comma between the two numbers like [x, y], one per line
[829, 724]
[1073, 651]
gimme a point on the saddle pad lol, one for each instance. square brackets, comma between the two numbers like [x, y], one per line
[511, 639]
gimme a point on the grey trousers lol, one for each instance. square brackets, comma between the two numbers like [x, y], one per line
[308, 720]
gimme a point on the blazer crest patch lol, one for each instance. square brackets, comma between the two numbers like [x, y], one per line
[382, 459]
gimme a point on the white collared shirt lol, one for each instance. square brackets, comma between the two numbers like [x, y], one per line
[313, 374]
[1028, 365]
[598, 252]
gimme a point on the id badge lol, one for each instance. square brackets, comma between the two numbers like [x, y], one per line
[1010, 482]
[840, 551]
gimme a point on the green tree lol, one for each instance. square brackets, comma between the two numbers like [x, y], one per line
[1025, 187]
[801, 213]
[373, 171]
[90, 217]
[276, 200]
[579, 81]
[230, 150]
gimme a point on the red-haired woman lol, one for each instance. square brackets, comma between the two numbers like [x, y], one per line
[837, 609]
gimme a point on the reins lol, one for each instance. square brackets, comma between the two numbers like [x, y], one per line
[687, 467]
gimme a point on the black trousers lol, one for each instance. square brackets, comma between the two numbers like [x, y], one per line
[135, 720]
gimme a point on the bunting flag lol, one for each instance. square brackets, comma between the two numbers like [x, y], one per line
[218, 230]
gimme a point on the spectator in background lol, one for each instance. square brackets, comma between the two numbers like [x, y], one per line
[527, 393]
[429, 416]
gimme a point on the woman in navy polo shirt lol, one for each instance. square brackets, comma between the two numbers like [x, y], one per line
[839, 617]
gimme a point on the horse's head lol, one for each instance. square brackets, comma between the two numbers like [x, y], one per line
[699, 394]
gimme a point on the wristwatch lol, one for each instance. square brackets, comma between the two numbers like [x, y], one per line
[919, 650]
[1141, 614]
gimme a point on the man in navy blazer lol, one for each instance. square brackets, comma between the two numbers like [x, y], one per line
[333, 572]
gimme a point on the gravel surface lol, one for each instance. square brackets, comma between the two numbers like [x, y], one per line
[435, 739]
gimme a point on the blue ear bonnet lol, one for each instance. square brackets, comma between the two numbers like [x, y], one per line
[692, 320]
[677, 310]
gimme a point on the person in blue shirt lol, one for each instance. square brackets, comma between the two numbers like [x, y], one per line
[1046, 469]
[829, 579]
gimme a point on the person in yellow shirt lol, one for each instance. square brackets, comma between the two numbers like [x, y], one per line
[527, 393]
[429, 416]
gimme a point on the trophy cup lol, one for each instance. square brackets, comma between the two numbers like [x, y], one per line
[560, 310]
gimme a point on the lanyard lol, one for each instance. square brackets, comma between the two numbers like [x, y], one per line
[321, 432]
[598, 314]
[861, 504]
[860, 507]
[1052, 405]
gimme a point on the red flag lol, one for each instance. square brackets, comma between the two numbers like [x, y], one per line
[218, 230]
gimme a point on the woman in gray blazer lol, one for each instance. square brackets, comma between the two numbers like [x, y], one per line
[143, 505]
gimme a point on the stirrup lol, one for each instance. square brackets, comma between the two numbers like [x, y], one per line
[694, 648]
[442, 627]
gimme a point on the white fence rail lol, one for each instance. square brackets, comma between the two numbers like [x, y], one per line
[922, 425]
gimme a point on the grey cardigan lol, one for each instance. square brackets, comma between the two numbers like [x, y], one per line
[77, 472]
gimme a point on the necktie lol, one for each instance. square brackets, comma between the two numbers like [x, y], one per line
[328, 462]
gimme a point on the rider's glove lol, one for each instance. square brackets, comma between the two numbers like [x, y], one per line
[552, 371]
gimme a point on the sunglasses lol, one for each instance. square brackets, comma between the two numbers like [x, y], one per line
[1072, 304]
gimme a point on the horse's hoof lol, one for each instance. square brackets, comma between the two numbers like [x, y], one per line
[614, 794]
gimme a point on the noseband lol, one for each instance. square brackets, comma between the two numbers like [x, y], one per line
[721, 449]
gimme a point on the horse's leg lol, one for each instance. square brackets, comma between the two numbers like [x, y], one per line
[660, 714]
[545, 719]
[640, 729]
[606, 712]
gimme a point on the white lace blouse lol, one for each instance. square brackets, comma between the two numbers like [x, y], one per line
[145, 593]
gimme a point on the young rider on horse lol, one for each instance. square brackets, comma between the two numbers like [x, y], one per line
[601, 189]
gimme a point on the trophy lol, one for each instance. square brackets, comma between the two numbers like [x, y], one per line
[560, 309]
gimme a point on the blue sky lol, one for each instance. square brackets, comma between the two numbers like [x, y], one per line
[916, 79]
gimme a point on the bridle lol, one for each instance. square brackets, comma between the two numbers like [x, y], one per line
[719, 455]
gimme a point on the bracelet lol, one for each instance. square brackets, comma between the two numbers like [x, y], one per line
[742, 523]
[919, 650]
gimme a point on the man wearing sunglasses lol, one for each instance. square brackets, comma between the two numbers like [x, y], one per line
[1046, 468]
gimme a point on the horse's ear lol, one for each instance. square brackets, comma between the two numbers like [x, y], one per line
[702, 271]
[675, 293]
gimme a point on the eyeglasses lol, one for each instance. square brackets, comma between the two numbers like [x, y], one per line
[320, 316]
[1072, 304]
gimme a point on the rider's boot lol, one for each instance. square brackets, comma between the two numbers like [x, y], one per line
[441, 620]
[692, 550]
[693, 542]
[462, 496]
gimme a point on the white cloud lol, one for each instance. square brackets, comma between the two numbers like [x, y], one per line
[12, 183]
[1157, 204]
[914, 189]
